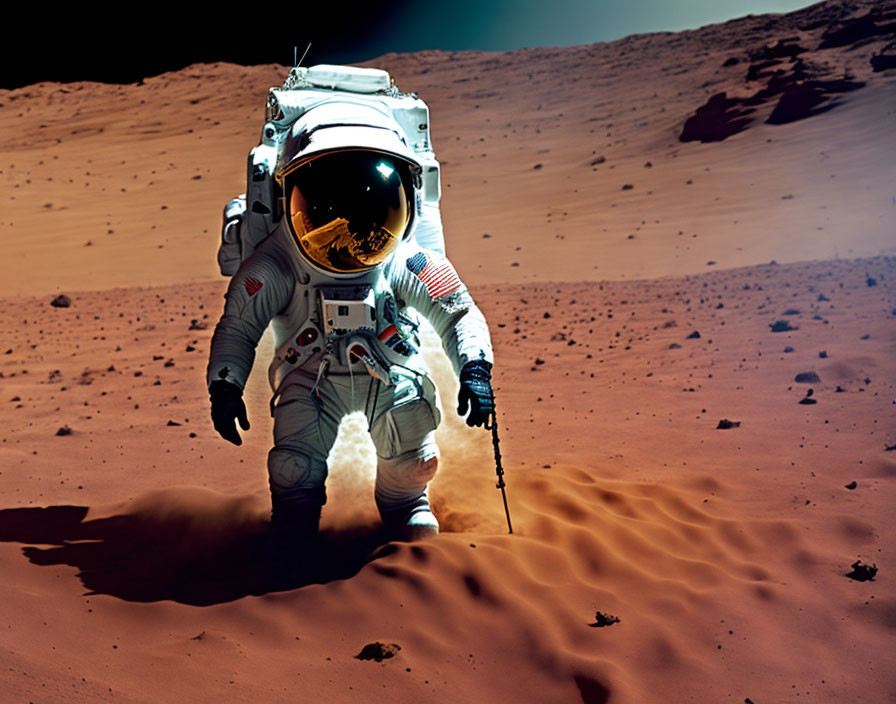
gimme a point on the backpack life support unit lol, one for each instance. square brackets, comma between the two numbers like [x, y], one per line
[251, 217]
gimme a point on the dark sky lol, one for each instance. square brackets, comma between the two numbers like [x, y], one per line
[126, 41]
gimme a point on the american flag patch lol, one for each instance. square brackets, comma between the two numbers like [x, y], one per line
[252, 285]
[435, 272]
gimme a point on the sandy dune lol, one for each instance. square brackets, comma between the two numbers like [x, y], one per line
[666, 464]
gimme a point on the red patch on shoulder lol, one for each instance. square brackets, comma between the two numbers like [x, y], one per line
[252, 285]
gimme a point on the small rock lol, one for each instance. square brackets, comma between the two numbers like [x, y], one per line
[862, 573]
[64, 430]
[807, 378]
[726, 424]
[693, 336]
[601, 620]
[61, 301]
[378, 651]
[781, 326]
[852, 485]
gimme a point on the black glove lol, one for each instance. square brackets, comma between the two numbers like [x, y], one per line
[476, 392]
[227, 405]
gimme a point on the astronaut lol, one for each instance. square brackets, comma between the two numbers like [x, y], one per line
[342, 280]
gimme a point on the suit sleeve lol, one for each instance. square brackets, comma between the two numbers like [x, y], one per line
[260, 289]
[427, 281]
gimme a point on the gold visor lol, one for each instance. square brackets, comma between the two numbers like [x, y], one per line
[348, 210]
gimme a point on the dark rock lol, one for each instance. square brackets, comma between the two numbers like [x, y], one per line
[731, 61]
[784, 49]
[823, 354]
[883, 61]
[378, 651]
[726, 424]
[809, 98]
[871, 281]
[781, 326]
[852, 485]
[602, 620]
[806, 401]
[61, 301]
[64, 430]
[761, 69]
[171, 422]
[674, 346]
[862, 573]
[693, 336]
[788, 349]
[852, 31]
[197, 325]
[716, 120]
[807, 378]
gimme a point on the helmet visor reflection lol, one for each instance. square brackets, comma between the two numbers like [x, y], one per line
[349, 210]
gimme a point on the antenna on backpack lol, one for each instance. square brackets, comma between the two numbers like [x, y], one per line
[295, 52]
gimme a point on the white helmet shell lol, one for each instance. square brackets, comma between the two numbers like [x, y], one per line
[340, 125]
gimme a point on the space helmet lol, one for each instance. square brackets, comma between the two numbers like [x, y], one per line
[349, 186]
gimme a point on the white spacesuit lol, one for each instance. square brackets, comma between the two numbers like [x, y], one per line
[337, 279]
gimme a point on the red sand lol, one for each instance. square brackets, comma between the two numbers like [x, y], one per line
[131, 549]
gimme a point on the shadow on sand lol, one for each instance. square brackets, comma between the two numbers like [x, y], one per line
[198, 552]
